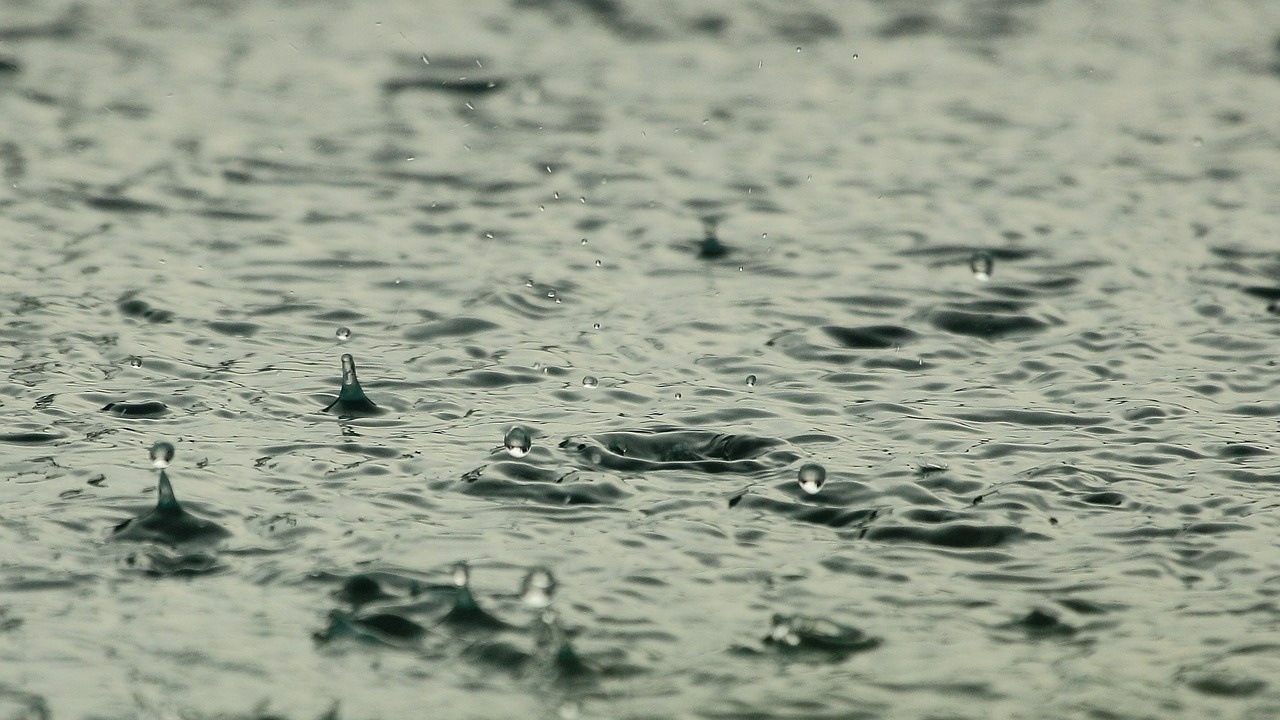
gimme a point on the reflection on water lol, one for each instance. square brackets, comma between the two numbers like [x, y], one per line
[944, 335]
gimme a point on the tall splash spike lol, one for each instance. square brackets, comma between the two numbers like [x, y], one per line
[351, 400]
[168, 523]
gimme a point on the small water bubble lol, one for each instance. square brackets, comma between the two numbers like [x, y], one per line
[343, 334]
[538, 588]
[161, 454]
[751, 381]
[812, 477]
[590, 381]
[517, 442]
[982, 265]
[135, 361]
[461, 575]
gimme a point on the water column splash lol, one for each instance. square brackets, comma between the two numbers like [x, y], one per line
[538, 588]
[168, 523]
[982, 265]
[711, 248]
[466, 612]
[351, 400]
[537, 591]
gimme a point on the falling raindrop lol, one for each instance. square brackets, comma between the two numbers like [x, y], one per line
[751, 381]
[597, 263]
[812, 477]
[343, 334]
[595, 326]
[584, 241]
[161, 454]
[461, 575]
[538, 588]
[982, 265]
[517, 442]
[135, 361]
[590, 382]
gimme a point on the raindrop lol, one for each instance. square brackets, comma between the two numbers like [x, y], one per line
[590, 382]
[343, 334]
[595, 326]
[678, 396]
[812, 477]
[982, 265]
[584, 241]
[582, 199]
[597, 263]
[135, 361]
[461, 575]
[751, 381]
[538, 587]
[517, 442]
[161, 454]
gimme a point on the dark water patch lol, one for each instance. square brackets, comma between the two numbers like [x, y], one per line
[1223, 683]
[130, 305]
[1104, 499]
[169, 523]
[64, 28]
[804, 26]
[873, 337]
[31, 437]
[116, 204]
[234, 215]
[464, 86]
[140, 409]
[452, 327]
[234, 329]
[610, 14]
[676, 449]
[952, 535]
[1031, 418]
[832, 517]
[1240, 451]
[383, 628]
[166, 562]
[558, 493]
[910, 25]
[975, 320]
[9, 65]
[1041, 624]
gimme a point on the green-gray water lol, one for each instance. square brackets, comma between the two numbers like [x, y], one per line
[1007, 271]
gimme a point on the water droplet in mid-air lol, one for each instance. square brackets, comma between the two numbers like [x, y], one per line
[538, 588]
[751, 381]
[590, 381]
[982, 265]
[517, 442]
[161, 454]
[135, 361]
[812, 477]
[343, 334]
[461, 575]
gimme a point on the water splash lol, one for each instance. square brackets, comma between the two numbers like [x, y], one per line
[351, 400]
[798, 633]
[538, 588]
[466, 612]
[169, 523]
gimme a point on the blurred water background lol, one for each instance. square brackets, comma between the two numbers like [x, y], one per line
[1006, 270]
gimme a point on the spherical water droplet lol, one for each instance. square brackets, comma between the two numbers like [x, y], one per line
[595, 326]
[678, 396]
[751, 381]
[517, 442]
[461, 575]
[982, 264]
[590, 382]
[538, 588]
[812, 477]
[343, 334]
[135, 361]
[597, 263]
[584, 241]
[161, 454]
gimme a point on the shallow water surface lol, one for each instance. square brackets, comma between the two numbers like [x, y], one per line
[612, 273]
